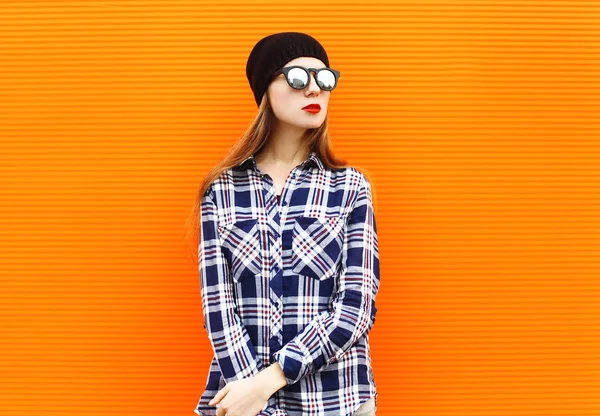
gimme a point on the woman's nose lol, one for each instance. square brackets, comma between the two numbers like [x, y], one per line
[313, 87]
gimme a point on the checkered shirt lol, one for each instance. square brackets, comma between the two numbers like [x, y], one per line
[291, 282]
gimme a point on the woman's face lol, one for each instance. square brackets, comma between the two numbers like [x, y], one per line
[287, 102]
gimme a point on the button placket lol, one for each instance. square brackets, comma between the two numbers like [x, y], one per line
[278, 284]
[284, 194]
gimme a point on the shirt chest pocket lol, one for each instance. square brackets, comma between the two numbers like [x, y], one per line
[317, 246]
[241, 245]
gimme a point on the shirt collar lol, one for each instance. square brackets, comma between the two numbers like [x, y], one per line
[251, 161]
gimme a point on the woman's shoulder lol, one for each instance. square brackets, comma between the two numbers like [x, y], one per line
[355, 174]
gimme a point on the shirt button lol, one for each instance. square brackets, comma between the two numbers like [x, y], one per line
[284, 203]
[276, 234]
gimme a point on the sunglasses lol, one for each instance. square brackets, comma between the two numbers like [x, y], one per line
[298, 77]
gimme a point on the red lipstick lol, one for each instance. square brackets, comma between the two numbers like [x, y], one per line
[312, 108]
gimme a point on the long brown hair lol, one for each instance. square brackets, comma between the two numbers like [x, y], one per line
[251, 141]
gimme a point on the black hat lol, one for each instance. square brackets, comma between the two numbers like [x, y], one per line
[274, 51]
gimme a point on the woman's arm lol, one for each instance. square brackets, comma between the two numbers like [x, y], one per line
[228, 336]
[272, 379]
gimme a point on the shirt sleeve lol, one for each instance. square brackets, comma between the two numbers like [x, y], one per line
[331, 333]
[228, 336]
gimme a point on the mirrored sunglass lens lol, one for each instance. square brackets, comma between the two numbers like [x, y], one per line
[297, 78]
[326, 80]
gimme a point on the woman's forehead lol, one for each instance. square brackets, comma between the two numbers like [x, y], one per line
[307, 61]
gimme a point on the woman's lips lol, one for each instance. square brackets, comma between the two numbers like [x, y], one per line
[312, 108]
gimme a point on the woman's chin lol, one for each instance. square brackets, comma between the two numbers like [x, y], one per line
[311, 123]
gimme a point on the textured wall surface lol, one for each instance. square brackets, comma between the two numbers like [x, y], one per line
[477, 120]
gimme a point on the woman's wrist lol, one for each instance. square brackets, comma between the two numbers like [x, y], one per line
[272, 379]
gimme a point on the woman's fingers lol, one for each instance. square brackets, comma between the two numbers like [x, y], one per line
[219, 395]
[221, 411]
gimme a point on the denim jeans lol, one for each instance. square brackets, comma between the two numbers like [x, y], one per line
[368, 408]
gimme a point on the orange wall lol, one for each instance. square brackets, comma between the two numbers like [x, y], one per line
[478, 122]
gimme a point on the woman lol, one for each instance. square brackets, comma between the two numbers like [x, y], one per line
[288, 252]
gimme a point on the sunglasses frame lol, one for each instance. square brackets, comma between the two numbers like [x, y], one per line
[287, 69]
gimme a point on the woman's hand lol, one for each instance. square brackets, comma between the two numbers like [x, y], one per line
[245, 397]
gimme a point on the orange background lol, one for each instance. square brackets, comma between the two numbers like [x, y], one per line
[477, 121]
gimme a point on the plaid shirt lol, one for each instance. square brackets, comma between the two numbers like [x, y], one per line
[291, 282]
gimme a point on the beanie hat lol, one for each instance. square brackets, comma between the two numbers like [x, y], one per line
[273, 51]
